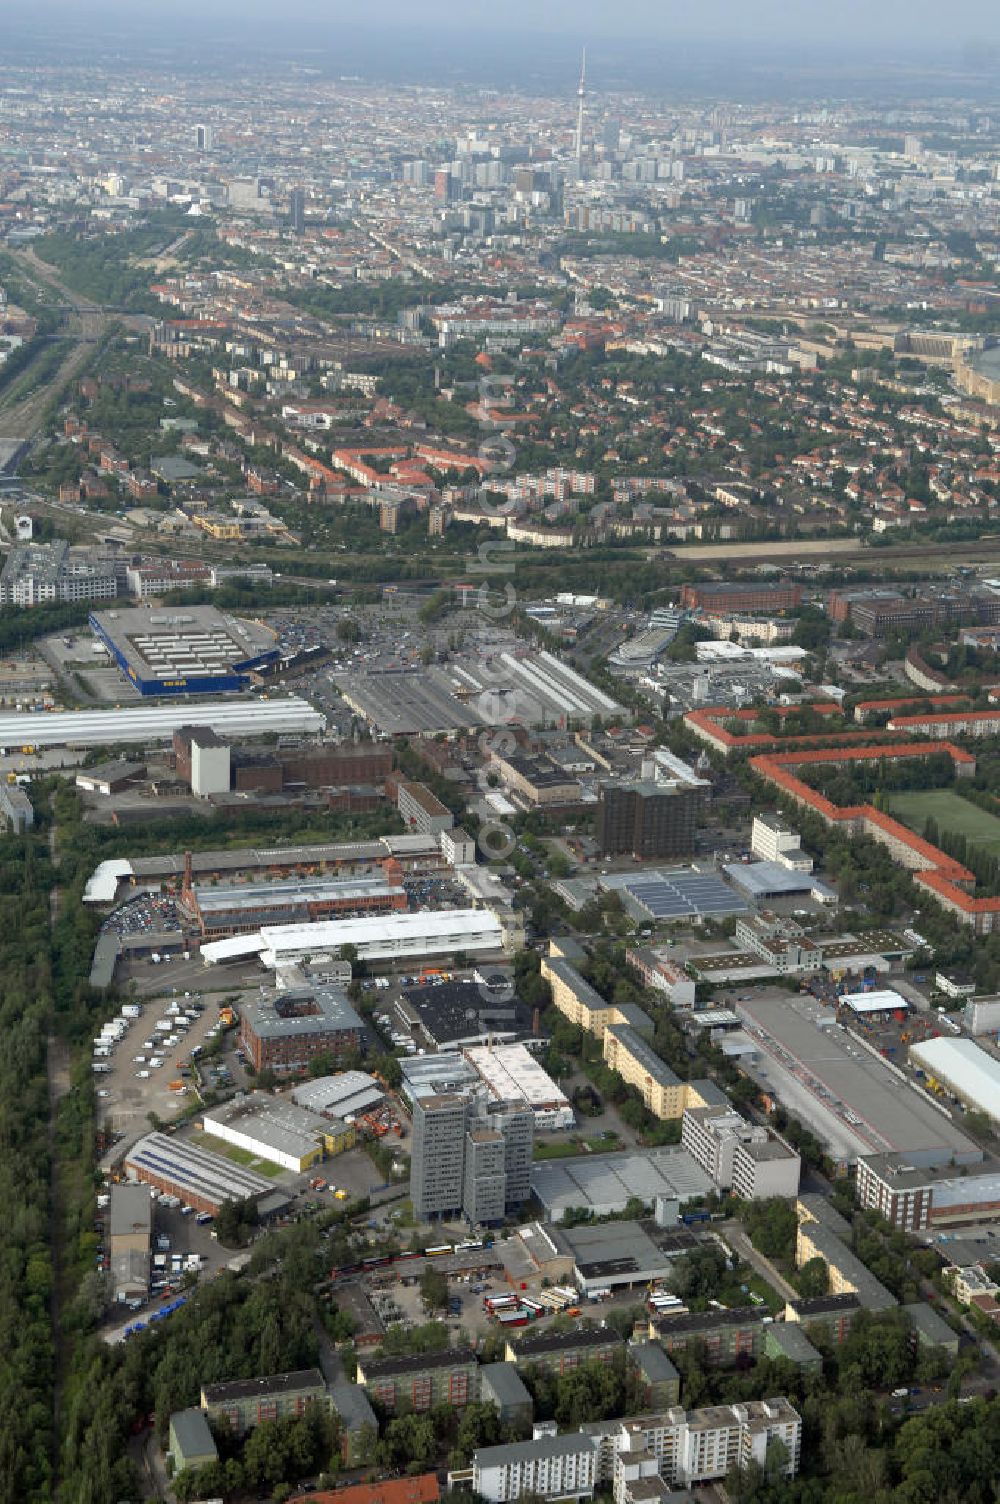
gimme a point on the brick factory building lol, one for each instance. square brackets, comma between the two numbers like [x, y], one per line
[718, 599]
[285, 1031]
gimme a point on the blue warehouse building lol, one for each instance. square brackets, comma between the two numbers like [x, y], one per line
[184, 650]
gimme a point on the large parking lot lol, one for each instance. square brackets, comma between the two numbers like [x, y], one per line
[134, 1087]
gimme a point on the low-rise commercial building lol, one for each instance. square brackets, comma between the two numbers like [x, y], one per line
[190, 1443]
[130, 1219]
[511, 1073]
[240, 909]
[418, 1382]
[201, 1179]
[964, 1069]
[278, 1131]
[416, 937]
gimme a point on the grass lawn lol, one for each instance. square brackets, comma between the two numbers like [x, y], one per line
[567, 1147]
[952, 813]
[238, 1156]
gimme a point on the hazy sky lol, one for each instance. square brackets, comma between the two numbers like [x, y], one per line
[848, 24]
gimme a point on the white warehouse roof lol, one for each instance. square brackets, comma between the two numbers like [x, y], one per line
[883, 1001]
[141, 723]
[511, 1071]
[434, 933]
[965, 1068]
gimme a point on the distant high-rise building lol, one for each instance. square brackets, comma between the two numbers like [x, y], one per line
[912, 147]
[581, 96]
[611, 135]
[203, 137]
[297, 211]
[442, 185]
[646, 819]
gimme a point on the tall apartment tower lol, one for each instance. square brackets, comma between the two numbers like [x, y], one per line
[484, 1192]
[646, 819]
[297, 211]
[437, 1158]
[470, 1158]
[203, 137]
[516, 1123]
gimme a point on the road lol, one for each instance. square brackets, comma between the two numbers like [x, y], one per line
[20, 423]
[741, 1244]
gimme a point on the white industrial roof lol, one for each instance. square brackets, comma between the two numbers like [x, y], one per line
[233, 948]
[435, 923]
[884, 1001]
[511, 1071]
[964, 1067]
[102, 884]
[142, 723]
[377, 934]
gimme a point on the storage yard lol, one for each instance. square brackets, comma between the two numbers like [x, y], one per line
[851, 1097]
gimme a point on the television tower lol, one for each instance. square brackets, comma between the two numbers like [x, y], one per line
[581, 95]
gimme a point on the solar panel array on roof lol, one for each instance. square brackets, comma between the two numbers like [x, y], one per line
[683, 895]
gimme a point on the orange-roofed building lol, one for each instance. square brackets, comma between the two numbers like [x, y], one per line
[422, 1489]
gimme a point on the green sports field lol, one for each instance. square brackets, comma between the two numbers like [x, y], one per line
[952, 813]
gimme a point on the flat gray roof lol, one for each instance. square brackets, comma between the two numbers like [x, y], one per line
[131, 1210]
[605, 1182]
[828, 1067]
[191, 1434]
[253, 896]
[275, 1017]
[522, 1451]
[506, 1383]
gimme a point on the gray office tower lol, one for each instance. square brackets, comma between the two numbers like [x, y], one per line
[470, 1158]
[437, 1158]
[297, 211]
